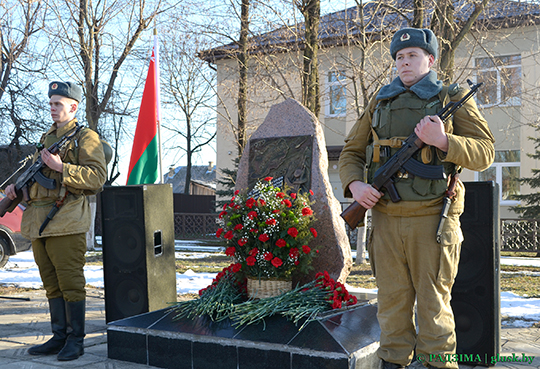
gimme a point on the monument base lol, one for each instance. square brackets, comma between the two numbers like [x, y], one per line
[344, 339]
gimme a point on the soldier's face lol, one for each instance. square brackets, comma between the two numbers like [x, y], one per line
[413, 64]
[62, 109]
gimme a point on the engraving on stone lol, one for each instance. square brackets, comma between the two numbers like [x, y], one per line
[287, 157]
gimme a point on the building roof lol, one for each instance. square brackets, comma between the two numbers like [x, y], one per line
[204, 175]
[384, 16]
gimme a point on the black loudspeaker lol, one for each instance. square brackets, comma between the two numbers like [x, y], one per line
[138, 249]
[476, 291]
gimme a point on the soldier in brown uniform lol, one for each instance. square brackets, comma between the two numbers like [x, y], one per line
[78, 170]
[408, 262]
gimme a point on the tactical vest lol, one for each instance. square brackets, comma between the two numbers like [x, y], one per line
[69, 154]
[393, 121]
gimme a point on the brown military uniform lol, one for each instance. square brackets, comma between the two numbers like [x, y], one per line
[407, 261]
[59, 250]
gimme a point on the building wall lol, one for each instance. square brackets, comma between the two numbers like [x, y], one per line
[273, 78]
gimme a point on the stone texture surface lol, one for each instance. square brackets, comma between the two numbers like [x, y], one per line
[290, 118]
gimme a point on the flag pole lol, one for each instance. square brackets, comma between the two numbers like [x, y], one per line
[158, 89]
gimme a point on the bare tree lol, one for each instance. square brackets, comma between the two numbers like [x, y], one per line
[451, 32]
[188, 90]
[243, 75]
[100, 37]
[21, 66]
[311, 10]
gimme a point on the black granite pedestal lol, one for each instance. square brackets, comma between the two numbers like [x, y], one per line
[347, 339]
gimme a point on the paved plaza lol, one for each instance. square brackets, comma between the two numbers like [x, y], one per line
[24, 323]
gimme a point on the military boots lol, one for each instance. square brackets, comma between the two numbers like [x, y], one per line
[57, 308]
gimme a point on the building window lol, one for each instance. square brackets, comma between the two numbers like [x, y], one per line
[337, 102]
[504, 171]
[501, 76]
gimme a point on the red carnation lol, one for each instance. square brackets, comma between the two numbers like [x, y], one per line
[293, 253]
[281, 243]
[277, 262]
[268, 256]
[264, 237]
[222, 214]
[236, 192]
[230, 251]
[250, 260]
[311, 192]
[228, 235]
[219, 232]
[313, 232]
[242, 241]
[275, 211]
[254, 230]
[252, 214]
[236, 267]
[336, 304]
[254, 251]
[262, 202]
[280, 195]
[293, 232]
[287, 203]
[271, 221]
[307, 211]
[250, 202]
[306, 249]
[268, 179]
[238, 227]
[293, 195]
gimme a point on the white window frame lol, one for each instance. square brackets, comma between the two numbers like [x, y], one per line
[514, 100]
[499, 180]
[340, 82]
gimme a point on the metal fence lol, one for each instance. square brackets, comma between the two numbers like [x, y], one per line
[516, 234]
[195, 225]
[520, 235]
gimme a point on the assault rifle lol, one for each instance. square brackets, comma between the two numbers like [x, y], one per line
[34, 174]
[400, 162]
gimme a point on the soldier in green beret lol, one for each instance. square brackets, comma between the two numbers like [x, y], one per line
[79, 169]
[408, 262]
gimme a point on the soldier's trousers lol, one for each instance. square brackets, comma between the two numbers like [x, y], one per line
[409, 264]
[61, 261]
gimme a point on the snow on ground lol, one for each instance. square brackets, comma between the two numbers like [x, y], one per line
[22, 271]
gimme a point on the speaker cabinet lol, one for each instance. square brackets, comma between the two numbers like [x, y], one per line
[476, 291]
[138, 249]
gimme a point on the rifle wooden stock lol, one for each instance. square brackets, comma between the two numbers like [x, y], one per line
[354, 214]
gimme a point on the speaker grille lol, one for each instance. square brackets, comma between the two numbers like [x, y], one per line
[138, 249]
[476, 292]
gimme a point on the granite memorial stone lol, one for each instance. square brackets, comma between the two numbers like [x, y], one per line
[290, 144]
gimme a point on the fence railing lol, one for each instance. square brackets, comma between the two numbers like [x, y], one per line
[520, 235]
[516, 234]
[195, 225]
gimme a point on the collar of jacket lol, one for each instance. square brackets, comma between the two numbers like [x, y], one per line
[60, 132]
[426, 88]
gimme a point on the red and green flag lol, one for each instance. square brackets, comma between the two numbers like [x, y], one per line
[144, 163]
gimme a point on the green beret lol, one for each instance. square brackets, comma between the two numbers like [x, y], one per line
[67, 89]
[414, 37]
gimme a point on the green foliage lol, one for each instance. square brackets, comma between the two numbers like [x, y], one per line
[227, 179]
[530, 203]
